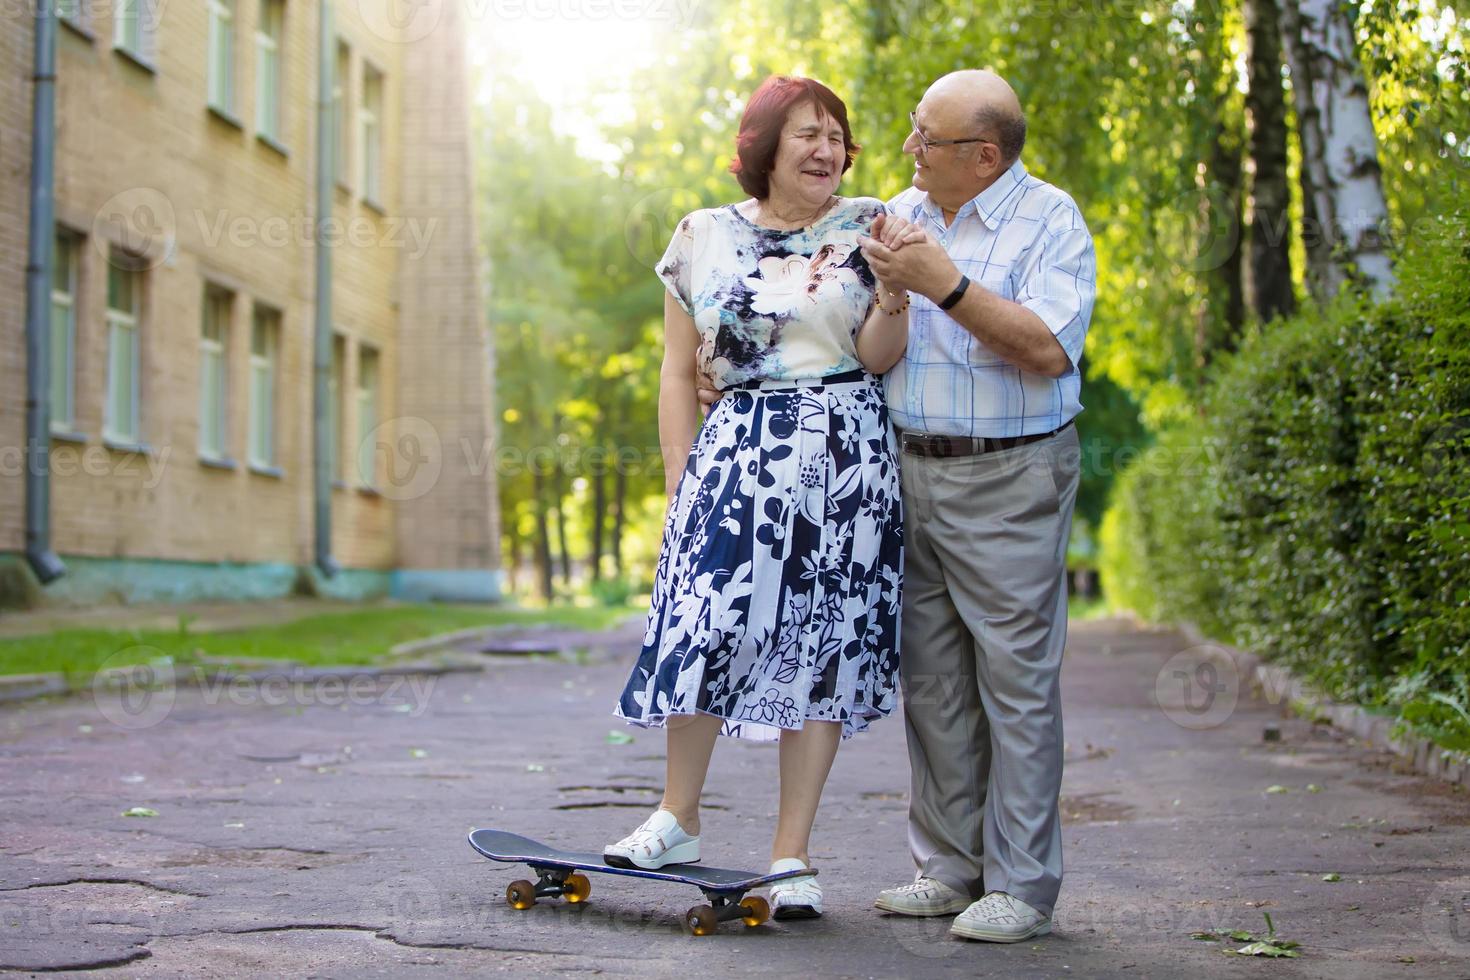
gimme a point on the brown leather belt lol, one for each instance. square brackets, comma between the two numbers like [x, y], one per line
[946, 447]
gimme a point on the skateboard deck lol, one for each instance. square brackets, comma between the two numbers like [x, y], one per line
[557, 872]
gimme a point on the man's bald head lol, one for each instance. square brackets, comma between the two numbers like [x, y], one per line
[990, 104]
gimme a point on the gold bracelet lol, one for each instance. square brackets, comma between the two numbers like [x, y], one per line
[897, 311]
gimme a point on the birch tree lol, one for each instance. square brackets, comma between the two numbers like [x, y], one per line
[1341, 175]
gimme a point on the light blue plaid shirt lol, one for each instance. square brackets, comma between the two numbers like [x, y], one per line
[1025, 240]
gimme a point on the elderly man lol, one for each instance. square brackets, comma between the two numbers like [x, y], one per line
[1002, 272]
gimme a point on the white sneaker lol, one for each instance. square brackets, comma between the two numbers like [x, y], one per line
[795, 898]
[658, 841]
[1000, 918]
[925, 896]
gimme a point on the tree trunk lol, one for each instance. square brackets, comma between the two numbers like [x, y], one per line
[1222, 316]
[1268, 268]
[1339, 149]
[559, 488]
[599, 519]
[543, 537]
[620, 506]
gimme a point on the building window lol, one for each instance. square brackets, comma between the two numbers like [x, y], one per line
[367, 416]
[213, 393]
[268, 68]
[339, 111]
[133, 28]
[63, 332]
[334, 406]
[265, 332]
[222, 54]
[370, 126]
[124, 289]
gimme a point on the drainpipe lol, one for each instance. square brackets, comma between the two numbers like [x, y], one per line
[322, 358]
[43, 561]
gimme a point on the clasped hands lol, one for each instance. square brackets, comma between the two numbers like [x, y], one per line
[902, 256]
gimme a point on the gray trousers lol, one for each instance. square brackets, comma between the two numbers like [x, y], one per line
[984, 622]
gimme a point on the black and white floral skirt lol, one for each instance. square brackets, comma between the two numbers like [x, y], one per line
[777, 593]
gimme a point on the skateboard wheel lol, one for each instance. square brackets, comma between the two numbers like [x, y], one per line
[520, 895]
[577, 888]
[701, 920]
[757, 910]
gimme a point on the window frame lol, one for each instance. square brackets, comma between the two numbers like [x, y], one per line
[268, 67]
[129, 322]
[268, 320]
[64, 420]
[219, 304]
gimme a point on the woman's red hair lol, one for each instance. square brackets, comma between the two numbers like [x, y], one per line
[765, 115]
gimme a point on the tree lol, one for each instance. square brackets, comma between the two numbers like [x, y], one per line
[1269, 288]
[1342, 178]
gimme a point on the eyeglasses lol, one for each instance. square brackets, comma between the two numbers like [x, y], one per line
[929, 144]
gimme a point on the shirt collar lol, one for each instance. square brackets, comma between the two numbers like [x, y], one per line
[988, 203]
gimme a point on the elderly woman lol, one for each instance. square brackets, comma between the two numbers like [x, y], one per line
[776, 596]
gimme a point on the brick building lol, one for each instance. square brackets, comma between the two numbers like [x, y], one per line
[189, 352]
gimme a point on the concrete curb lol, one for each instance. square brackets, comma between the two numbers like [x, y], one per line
[23, 687]
[1280, 686]
[439, 641]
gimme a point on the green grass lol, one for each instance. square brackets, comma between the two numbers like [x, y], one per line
[356, 637]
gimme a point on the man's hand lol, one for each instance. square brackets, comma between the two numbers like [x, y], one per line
[918, 264]
[708, 393]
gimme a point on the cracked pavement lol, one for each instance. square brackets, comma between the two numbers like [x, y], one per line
[320, 831]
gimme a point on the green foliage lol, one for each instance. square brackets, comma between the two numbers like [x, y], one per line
[1330, 528]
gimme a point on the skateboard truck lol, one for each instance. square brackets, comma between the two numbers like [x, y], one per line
[550, 883]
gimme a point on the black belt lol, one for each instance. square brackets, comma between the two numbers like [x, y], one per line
[776, 383]
[945, 447]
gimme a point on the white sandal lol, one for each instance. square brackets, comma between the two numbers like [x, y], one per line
[795, 898]
[658, 841]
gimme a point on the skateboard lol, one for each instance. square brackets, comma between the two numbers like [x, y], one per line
[557, 874]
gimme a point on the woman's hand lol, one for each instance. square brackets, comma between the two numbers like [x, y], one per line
[893, 232]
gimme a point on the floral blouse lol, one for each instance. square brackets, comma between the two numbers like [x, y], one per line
[771, 304]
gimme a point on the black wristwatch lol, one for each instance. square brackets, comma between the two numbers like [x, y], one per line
[954, 297]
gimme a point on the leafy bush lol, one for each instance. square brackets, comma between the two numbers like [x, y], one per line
[1327, 525]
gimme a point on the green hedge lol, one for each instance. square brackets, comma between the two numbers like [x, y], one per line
[1317, 510]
